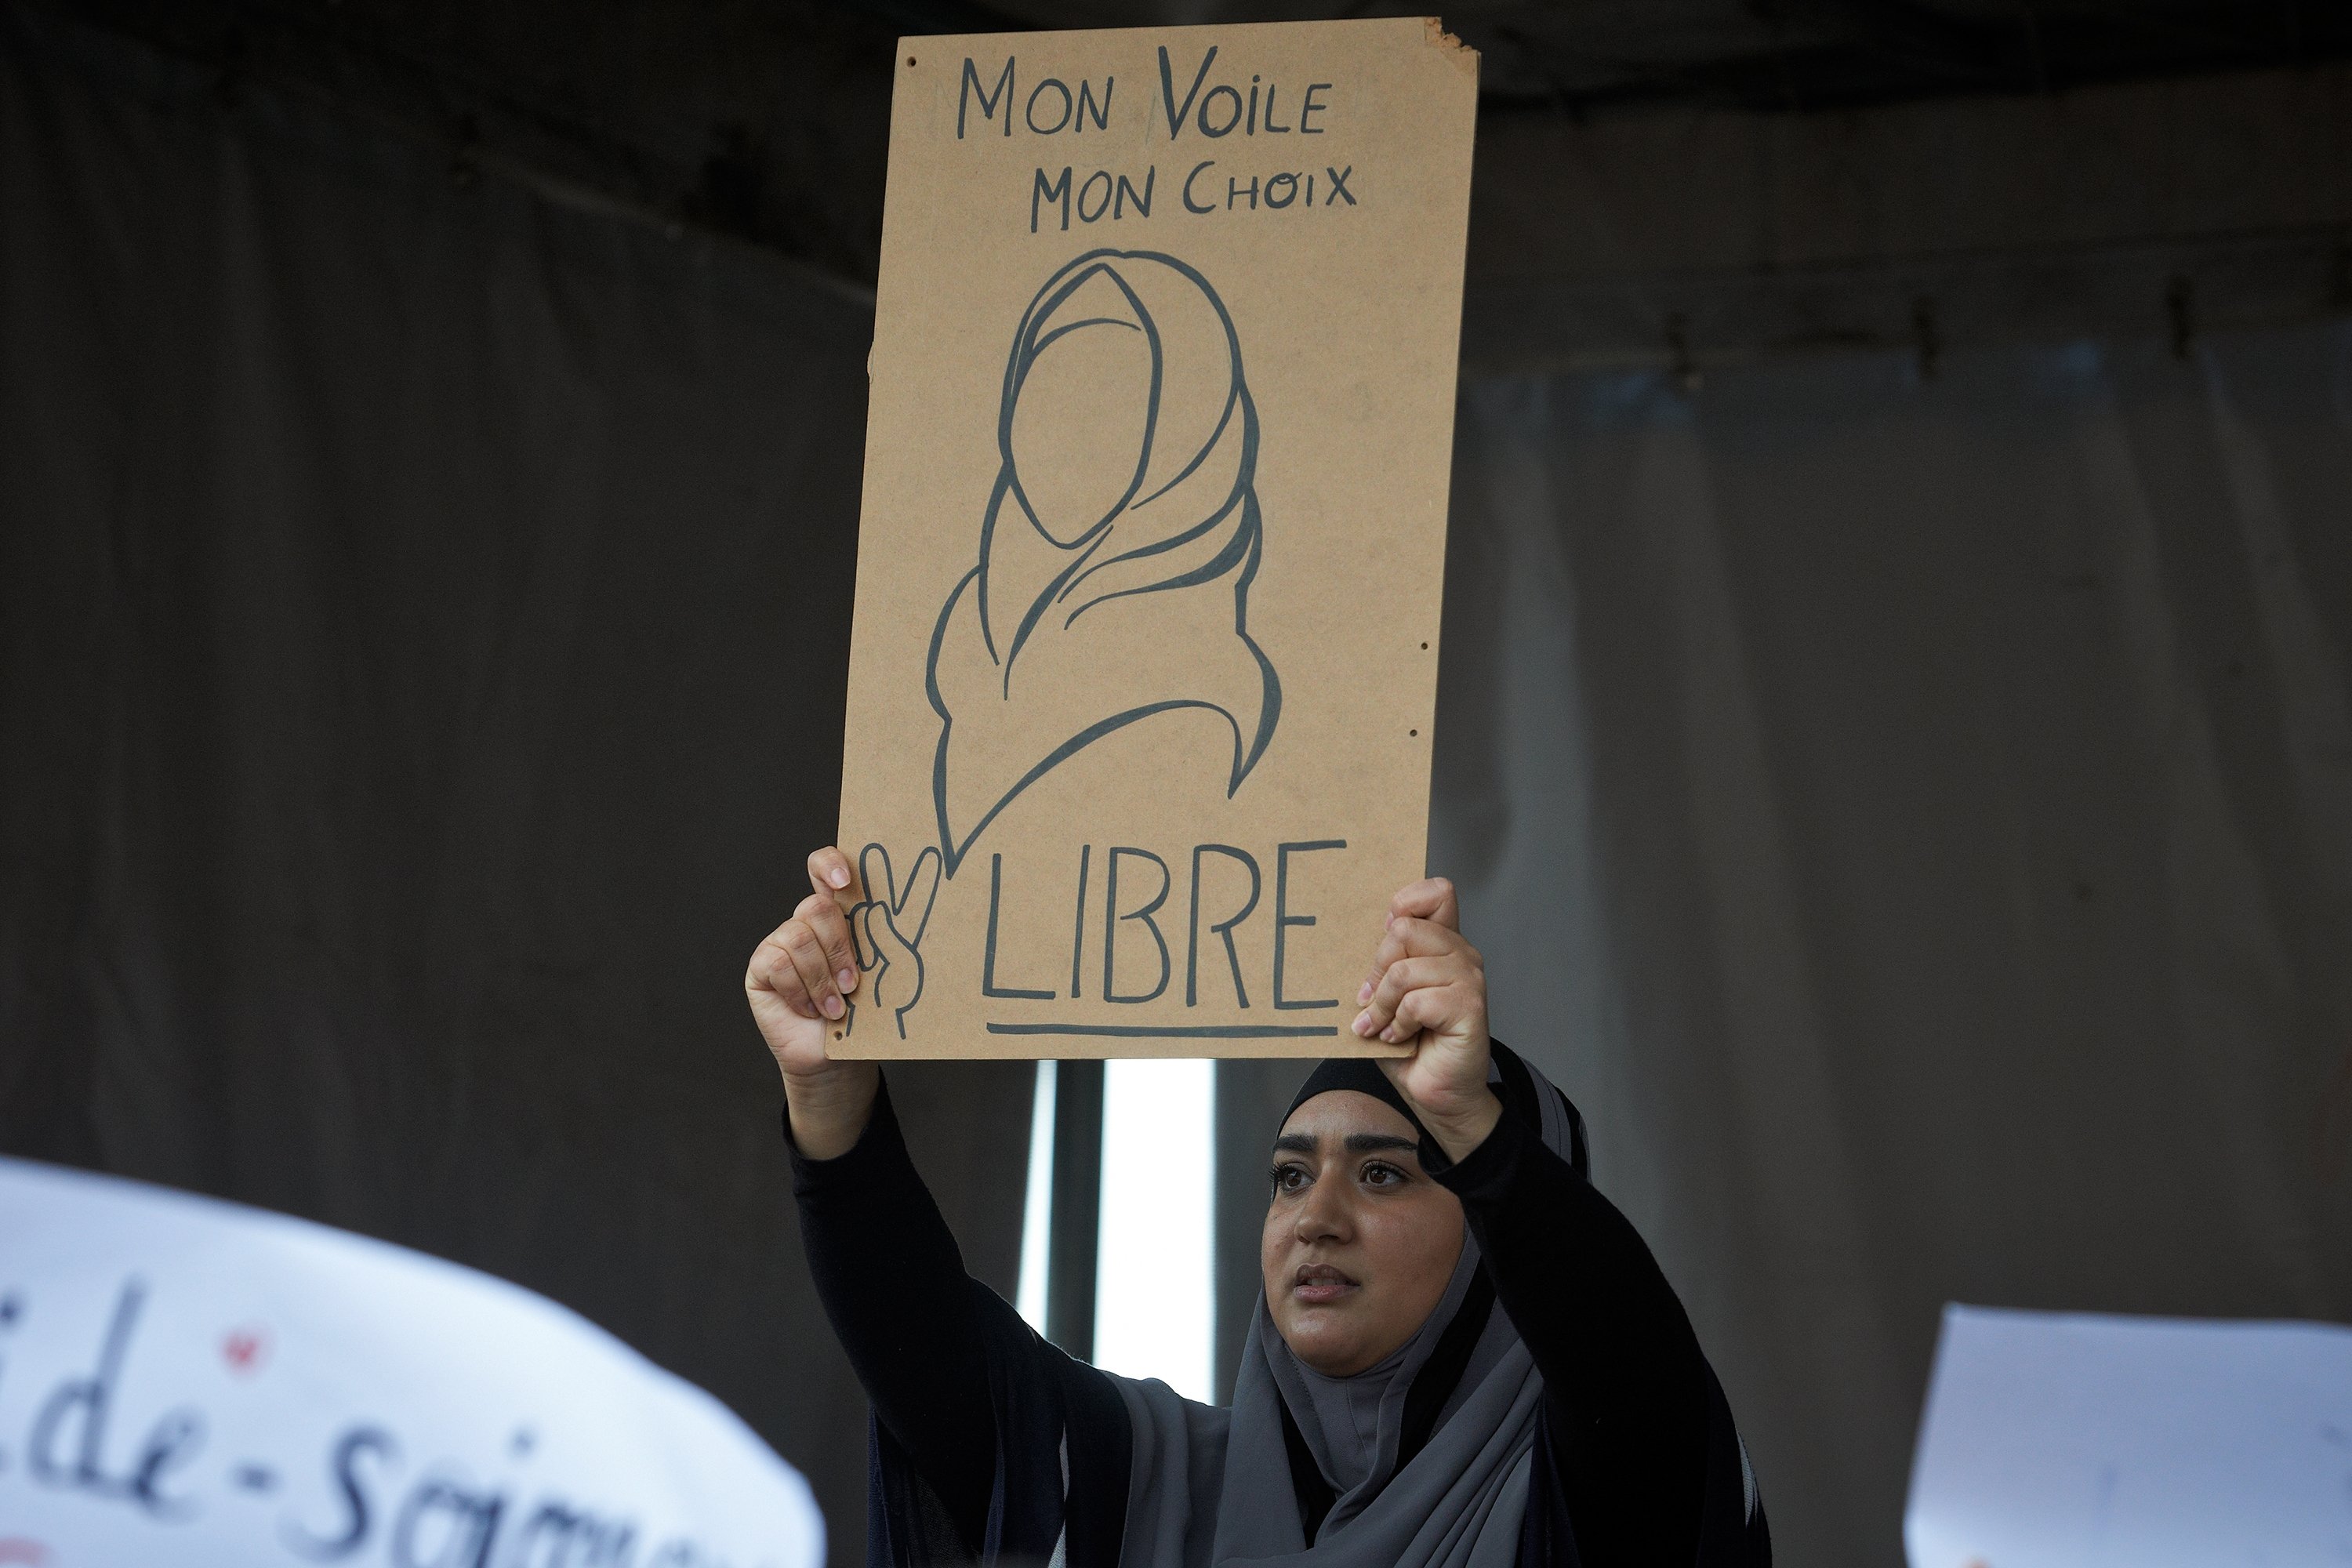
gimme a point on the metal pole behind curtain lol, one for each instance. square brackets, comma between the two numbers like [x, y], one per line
[1076, 1210]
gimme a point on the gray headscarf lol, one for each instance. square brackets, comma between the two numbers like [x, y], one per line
[1212, 1487]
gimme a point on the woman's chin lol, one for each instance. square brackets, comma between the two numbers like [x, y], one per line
[1333, 1348]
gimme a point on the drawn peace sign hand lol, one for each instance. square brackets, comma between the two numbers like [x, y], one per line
[890, 924]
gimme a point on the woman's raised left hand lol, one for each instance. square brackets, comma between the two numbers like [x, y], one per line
[1428, 989]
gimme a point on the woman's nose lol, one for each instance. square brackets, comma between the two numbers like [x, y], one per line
[1324, 1215]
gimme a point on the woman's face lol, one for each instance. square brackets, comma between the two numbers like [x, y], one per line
[1359, 1242]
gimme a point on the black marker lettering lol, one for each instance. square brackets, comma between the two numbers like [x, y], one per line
[1078, 936]
[1202, 120]
[1058, 191]
[91, 1399]
[1102, 206]
[1190, 205]
[1029, 111]
[988, 101]
[1167, 88]
[468, 1536]
[1223, 929]
[1113, 919]
[172, 1442]
[1306, 106]
[575, 1537]
[988, 986]
[345, 1462]
[1283, 920]
[1127, 192]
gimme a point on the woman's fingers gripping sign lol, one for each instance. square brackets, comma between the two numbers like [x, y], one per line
[805, 972]
[1431, 899]
[1428, 989]
[1424, 921]
[1415, 956]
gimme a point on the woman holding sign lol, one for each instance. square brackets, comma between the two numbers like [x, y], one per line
[1465, 1357]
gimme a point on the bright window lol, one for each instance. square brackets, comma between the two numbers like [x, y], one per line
[1038, 1210]
[1153, 1285]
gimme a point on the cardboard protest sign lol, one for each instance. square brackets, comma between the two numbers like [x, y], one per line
[1154, 537]
[198, 1383]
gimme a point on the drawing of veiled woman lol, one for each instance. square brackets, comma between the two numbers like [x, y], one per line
[1119, 541]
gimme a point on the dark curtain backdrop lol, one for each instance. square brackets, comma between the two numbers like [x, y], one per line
[1912, 815]
[423, 622]
[1913, 818]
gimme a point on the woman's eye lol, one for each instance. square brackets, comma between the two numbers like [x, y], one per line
[1380, 1175]
[1288, 1178]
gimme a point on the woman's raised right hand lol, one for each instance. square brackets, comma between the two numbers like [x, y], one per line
[799, 984]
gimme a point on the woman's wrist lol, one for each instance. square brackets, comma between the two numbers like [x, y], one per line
[1459, 1132]
[830, 1106]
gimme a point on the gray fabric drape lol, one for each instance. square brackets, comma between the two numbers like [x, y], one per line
[1914, 820]
[423, 615]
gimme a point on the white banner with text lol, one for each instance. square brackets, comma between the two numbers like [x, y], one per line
[189, 1382]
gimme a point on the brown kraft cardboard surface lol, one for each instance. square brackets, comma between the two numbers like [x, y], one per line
[1153, 536]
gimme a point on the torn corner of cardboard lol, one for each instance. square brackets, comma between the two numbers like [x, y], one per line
[1437, 37]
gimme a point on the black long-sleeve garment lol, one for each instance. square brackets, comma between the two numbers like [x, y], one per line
[1637, 1458]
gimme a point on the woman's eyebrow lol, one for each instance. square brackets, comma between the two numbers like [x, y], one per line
[1355, 1144]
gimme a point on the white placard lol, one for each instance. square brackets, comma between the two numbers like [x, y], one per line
[2063, 1438]
[195, 1384]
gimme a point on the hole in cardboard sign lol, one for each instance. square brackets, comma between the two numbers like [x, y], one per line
[911, 59]
[1412, 731]
[1424, 647]
[836, 1034]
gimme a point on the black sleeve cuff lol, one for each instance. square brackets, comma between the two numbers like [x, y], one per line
[1483, 1177]
[880, 1146]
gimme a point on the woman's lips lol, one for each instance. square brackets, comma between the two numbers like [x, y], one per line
[1318, 1285]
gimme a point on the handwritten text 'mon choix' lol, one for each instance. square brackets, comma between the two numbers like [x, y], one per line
[1212, 108]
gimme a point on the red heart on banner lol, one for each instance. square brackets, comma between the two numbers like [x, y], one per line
[244, 1349]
